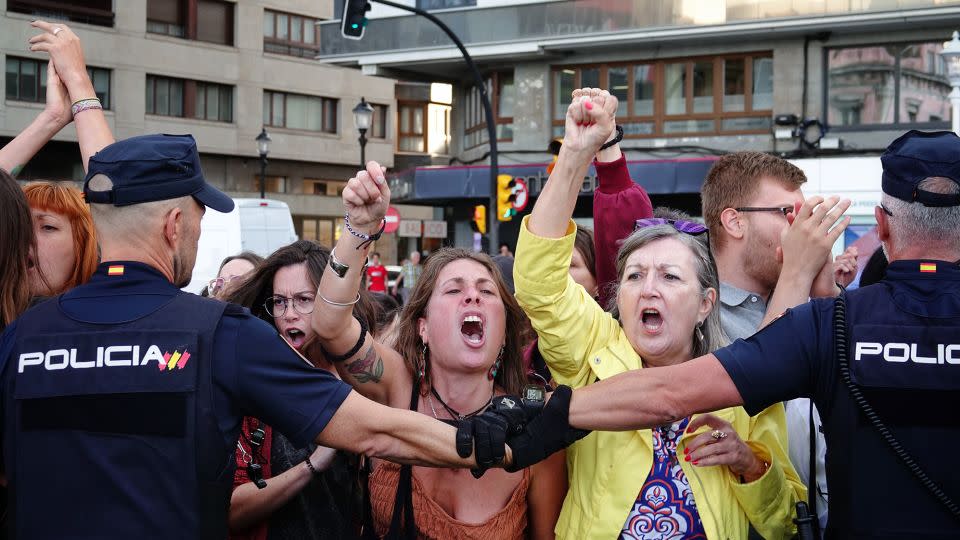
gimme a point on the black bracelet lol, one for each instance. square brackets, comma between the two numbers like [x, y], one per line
[356, 348]
[313, 470]
[614, 140]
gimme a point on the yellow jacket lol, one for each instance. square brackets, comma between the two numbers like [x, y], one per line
[581, 343]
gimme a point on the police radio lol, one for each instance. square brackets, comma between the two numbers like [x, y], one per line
[254, 469]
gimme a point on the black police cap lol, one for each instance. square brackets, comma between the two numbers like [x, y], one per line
[916, 156]
[152, 168]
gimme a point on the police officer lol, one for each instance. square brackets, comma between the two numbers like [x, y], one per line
[122, 399]
[903, 349]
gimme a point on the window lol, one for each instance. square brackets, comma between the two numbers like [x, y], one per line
[275, 184]
[288, 34]
[890, 85]
[412, 137]
[684, 96]
[502, 94]
[202, 20]
[378, 124]
[167, 96]
[27, 81]
[325, 231]
[296, 111]
[444, 4]
[98, 12]
[328, 188]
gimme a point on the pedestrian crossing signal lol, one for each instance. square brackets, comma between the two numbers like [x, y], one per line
[354, 18]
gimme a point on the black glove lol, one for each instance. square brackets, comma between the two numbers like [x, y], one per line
[545, 434]
[486, 434]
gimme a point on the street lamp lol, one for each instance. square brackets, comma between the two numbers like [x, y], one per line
[263, 146]
[362, 116]
[951, 55]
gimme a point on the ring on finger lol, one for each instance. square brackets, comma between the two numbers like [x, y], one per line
[718, 435]
[56, 30]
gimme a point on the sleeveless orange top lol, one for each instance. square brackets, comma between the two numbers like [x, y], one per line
[433, 522]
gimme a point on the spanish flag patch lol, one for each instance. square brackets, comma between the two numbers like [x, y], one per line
[115, 270]
[930, 268]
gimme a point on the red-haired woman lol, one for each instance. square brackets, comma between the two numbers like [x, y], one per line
[66, 253]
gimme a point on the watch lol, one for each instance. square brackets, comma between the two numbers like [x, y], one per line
[338, 267]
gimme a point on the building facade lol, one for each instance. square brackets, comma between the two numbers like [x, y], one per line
[221, 70]
[695, 79]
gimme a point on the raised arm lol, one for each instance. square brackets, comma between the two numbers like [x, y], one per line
[63, 45]
[376, 371]
[54, 117]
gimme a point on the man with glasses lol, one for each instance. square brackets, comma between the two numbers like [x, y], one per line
[892, 347]
[127, 393]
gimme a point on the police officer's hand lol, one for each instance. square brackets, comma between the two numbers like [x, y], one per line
[812, 229]
[721, 445]
[546, 433]
[486, 434]
[366, 198]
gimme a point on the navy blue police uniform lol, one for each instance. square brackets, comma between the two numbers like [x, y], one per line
[123, 398]
[904, 355]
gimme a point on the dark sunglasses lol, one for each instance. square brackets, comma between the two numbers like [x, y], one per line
[781, 209]
[681, 225]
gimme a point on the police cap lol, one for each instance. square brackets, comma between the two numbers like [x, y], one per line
[916, 156]
[152, 168]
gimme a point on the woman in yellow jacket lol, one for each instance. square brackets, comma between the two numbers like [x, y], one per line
[706, 476]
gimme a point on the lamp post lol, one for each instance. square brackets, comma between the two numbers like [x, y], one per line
[263, 146]
[951, 54]
[362, 116]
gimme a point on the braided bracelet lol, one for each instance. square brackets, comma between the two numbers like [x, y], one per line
[85, 105]
[367, 238]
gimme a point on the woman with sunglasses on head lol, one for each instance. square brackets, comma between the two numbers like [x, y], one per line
[303, 493]
[458, 346]
[705, 476]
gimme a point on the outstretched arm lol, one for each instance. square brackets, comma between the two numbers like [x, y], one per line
[54, 117]
[645, 398]
[65, 51]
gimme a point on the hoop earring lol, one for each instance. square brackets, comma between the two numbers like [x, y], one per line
[698, 331]
[492, 373]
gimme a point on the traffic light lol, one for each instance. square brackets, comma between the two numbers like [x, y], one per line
[505, 185]
[354, 18]
[479, 223]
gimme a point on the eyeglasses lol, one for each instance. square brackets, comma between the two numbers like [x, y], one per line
[303, 303]
[216, 285]
[681, 225]
[781, 209]
[886, 210]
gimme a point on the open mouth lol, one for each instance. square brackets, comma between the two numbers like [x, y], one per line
[652, 320]
[472, 329]
[295, 337]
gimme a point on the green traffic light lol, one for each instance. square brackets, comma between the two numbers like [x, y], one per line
[355, 26]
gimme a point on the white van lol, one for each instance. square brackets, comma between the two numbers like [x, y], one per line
[257, 225]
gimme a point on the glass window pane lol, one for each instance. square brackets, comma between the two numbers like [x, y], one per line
[674, 91]
[703, 87]
[267, 23]
[330, 115]
[215, 21]
[200, 106]
[762, 84]
[101, 84]
[42, 80]
[266, 109]
[296, 29]
[688, 126]
[226, 104]
[618, 85]
[213, 102]
[761, 123]
[163, 97]
[283, 23]
[309, 229]
[28, 80]
[734, 81]
[562, 89]
[506, 96]
[308, 31]
[643, 83]
[589, 78]
[298, 112]
[637, 128]
[417, 120]
[924, 88]
[315, 114]
[176, 98]
[13, 78]
[278, 109]
[150, 104]
[861, 85]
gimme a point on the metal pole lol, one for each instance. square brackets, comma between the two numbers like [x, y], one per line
[492, 223]
[363, 149]
[955, 103]
[263, 176]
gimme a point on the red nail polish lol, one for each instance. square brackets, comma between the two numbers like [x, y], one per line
[687, 459]
[697, 462]
[588, 105]
[686, 450]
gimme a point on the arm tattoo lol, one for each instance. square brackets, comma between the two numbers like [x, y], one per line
[16, 170]
[367, 369]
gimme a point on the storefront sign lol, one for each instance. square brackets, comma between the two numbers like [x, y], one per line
[434, 229]
[410, 228]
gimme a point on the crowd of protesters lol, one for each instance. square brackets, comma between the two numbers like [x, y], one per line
[645, 289]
